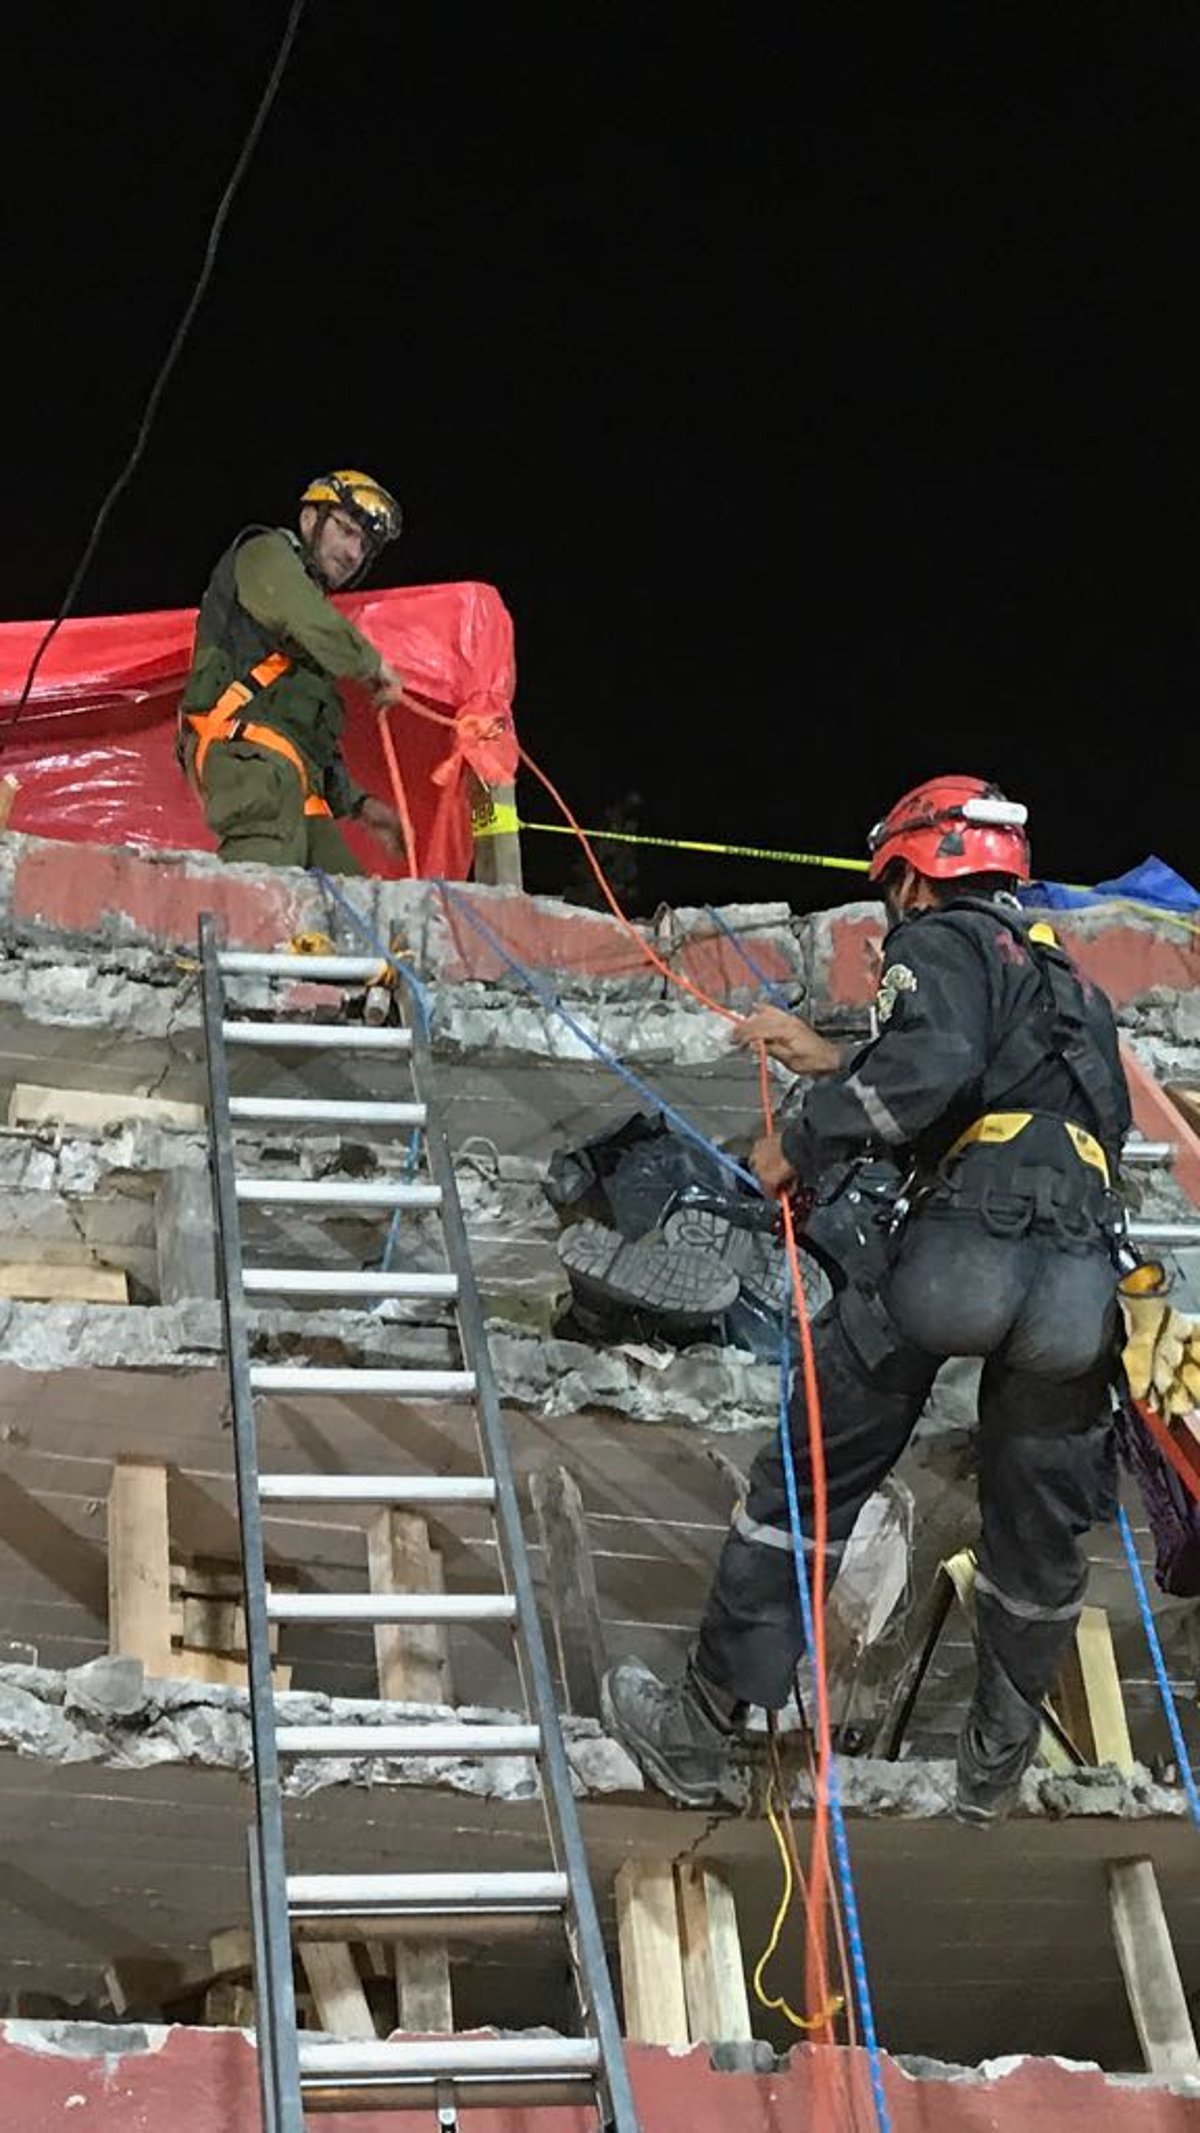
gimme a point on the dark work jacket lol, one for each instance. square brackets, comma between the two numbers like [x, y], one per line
[974, 1017]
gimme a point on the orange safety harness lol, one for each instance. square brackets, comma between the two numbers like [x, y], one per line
[224, 723]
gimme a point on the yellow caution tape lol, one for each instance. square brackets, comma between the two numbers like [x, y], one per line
[506, 819]
[695, 844]
[501, 820]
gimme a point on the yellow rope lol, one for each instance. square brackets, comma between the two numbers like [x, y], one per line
[781, 2005]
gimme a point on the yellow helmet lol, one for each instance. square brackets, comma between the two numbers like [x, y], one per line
[365, 499]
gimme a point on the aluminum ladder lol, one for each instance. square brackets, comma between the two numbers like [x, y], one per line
[439, 2075]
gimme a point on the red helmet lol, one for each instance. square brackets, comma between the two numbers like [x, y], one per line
[951, 826]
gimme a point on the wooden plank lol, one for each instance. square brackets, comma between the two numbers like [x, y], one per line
[571, 1582]
[220, 1670]
[413, 1668]
[139, 1565]
[412, 1661]
[1156, 1996]
[213, 1625]
[338, 1996]
[497, 834]
[231, 1951]
[714, 1974]
[139, 1986]
[1089, 1693]
[45, 1281]
[651, 1958]
[95, 1110]
[424, 2002]
[1186, 1100]
[9, 788]
[229, 2004]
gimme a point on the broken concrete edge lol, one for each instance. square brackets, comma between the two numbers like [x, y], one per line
[121, 897]
[149, 995]
[108, 2044]
[722, 1389]
[108, 1713]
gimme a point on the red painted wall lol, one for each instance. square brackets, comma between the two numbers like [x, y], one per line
[203, 2081]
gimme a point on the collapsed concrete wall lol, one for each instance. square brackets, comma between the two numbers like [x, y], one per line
[98, 991]
[54, 2076]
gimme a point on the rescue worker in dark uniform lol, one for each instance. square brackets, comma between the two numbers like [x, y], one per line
[995, 1082]
[260, 718]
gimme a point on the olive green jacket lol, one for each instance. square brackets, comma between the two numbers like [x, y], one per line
[261, 599]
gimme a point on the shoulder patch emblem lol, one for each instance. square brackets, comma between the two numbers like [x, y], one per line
[897, 978]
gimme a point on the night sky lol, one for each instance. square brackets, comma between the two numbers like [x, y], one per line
[824, 408]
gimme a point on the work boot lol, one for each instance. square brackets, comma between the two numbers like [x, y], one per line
[987, 1786]
[682, 1735]
[680, 1283]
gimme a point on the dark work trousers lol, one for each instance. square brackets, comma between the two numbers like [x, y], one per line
[1043, 1317]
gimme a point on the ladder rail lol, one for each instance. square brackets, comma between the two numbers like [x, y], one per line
[562, 1815]
[278, 2048]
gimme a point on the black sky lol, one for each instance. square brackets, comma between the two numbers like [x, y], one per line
[821, 400]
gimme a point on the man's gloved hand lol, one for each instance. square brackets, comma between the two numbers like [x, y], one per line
[1162, 1345]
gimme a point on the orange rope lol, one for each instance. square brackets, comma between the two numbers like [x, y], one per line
[820, 1891]
[821, 1886]
[674, 977]
[399, 795]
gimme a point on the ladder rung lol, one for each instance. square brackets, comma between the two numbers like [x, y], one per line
[411, 1895]
[303, 1281]
[339, 1192]
[401, 1384]
[354, 1742]
[376, 1488]
[391, 1607]
[337, 969]
[1145, 1154]
[322, 1036]
[460, 2059]
[318, 1110]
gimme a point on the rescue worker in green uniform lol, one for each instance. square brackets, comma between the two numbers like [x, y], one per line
[260, 717]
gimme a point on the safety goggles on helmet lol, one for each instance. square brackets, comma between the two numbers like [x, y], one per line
[364, 500]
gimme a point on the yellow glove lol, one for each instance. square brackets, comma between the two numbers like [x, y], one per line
[1162, 1346]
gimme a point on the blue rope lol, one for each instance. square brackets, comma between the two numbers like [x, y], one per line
[421, 997]
[1170, 1711]
[549, 998]
[774, 992]
[411, 1159]
[367, 930]
[858, 1959]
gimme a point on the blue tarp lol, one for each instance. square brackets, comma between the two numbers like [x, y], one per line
[1153, 882]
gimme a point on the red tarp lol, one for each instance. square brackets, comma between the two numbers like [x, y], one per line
[94, 749]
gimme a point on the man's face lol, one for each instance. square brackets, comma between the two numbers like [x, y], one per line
[337, 545]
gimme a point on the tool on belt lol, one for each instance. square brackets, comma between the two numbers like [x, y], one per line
[223, 722]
